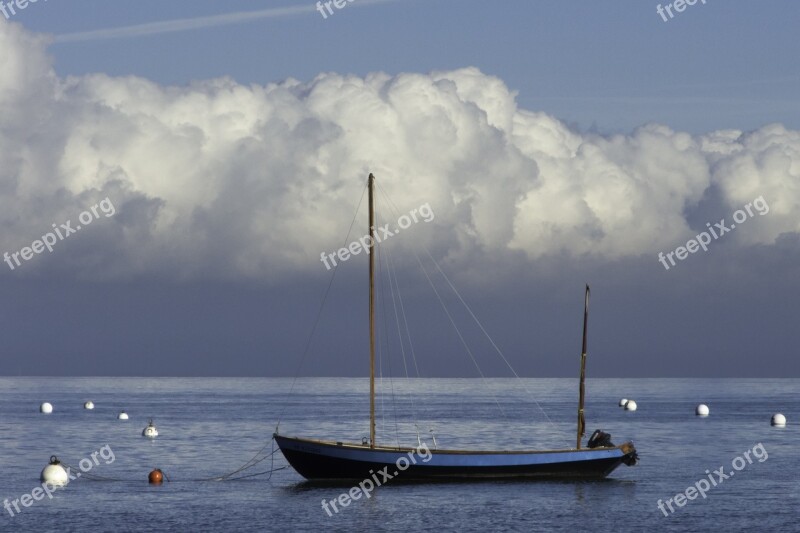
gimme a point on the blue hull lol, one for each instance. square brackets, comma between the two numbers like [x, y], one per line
[324, 460]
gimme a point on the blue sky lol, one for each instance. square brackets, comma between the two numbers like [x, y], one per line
[611, 65]
[557, 142]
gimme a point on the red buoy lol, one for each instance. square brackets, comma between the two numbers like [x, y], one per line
[156, 477]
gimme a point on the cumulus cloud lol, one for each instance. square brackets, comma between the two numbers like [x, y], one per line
[218, 180]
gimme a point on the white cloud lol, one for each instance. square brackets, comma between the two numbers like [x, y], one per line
[222, 180]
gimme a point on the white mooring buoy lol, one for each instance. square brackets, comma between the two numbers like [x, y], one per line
[89, 405]
[122, 416]
[778, 420]
[630, 405]
[622, 402]
[54, 473]
[701, 410]
[150, 431]
[46, 408]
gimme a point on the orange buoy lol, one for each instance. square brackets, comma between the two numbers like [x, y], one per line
[156, 477]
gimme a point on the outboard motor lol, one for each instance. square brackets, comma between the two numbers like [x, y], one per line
[600, 439]
[631, 459]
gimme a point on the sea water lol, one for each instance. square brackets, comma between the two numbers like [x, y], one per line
[210, 427]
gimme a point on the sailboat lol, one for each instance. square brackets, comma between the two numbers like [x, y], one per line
[324, 460]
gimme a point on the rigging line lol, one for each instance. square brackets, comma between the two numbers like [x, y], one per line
[441, 301]
[389, 271]
[460, 336]
[379, 345]
[486, 333]
[399, 333]
[380, 387]
[413, 353]
[392, 275]
[447, 312]
[379, 339]
[382, 297]
[319, 312]
[400, 294]
[411, 347]
[525, 387]
[254, 460]
[405, 323]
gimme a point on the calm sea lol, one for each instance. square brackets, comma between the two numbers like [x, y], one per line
[210, 427]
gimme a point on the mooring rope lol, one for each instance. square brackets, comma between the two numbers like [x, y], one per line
[223, 477]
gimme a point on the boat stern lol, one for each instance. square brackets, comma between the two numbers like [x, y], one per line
[630, 457]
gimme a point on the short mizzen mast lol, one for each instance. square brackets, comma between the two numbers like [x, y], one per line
[581, 421]
[370, 251]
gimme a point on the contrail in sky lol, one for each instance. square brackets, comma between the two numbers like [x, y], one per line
[171, 26]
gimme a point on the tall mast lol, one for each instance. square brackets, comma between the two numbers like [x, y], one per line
[370, 251]
[581, 421]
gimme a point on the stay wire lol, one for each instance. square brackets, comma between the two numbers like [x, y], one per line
[319, 311]
[469, 310]
[385, 339]
[254, 460]
[392, 275]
